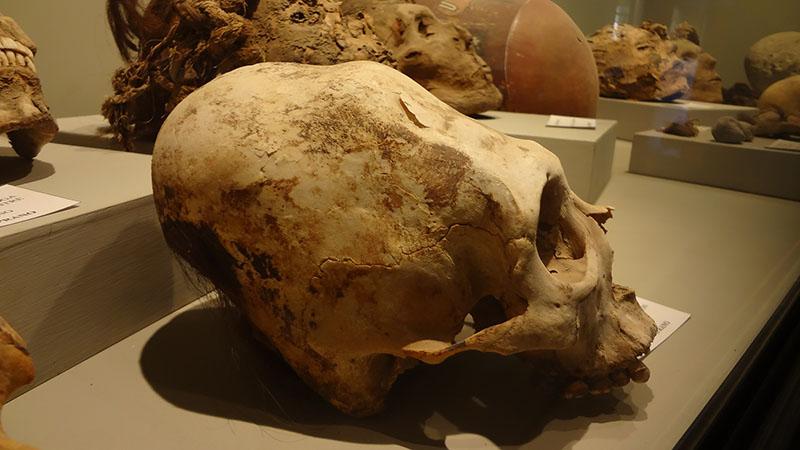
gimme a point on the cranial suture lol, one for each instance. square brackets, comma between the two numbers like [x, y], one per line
[359, 220]
[24, 116]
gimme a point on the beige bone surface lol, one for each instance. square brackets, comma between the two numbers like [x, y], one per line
[16, 370]
[357, 220]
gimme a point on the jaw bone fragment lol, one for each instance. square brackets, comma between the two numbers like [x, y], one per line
[24, 116]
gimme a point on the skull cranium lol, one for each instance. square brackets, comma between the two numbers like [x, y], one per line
[359, 220]
[24, 116]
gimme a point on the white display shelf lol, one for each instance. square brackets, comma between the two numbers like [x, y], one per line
[748, 167]
[77, 281]
[633, 115]
[196, 381]
[585, 154]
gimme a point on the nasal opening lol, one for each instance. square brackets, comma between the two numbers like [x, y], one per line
[561, 248]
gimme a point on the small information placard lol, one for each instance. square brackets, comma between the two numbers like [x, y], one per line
[782, 144]
[572, 122]
[667, 320]
[19, 204]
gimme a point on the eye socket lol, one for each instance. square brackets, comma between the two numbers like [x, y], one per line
[422, 27]
[298, 17]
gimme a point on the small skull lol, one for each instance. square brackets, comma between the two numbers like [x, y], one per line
[24, 116]
[358, 221]
[638, 63]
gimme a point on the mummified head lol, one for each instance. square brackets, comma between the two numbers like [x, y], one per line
[358, 222]
[24, 116]
[638, 63]
[181, 45]
[438, 55]
[705, 84]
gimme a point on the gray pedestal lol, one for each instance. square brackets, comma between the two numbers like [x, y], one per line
[586, 155]
[77, 281]
[633, 116]
[749, 167]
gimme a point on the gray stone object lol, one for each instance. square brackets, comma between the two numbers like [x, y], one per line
[772, 59]
[732, 131]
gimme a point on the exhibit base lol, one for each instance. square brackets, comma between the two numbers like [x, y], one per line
[634, 116]
[748, 167]
[585, 154]
[77, 281]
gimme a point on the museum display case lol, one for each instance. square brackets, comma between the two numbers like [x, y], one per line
[416, 224]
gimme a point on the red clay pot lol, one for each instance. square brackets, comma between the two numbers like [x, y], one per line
[539, 57]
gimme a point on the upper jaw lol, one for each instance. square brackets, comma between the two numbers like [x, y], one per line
[15, 54]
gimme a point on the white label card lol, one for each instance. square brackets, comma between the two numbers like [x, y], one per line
[572, 122]
[782, 144]
[18, 204]
[667, 320]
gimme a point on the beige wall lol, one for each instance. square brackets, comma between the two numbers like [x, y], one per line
[77, 55]
[727, 28]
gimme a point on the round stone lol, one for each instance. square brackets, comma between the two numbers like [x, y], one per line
[772, 59]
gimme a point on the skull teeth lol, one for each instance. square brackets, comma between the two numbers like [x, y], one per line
[12, 53]
[6, 43]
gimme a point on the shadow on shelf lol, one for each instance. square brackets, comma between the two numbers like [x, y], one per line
[204, 361]
[16, 170]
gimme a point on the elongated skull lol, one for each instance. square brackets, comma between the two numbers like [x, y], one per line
[24, 116]
[357, 220]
